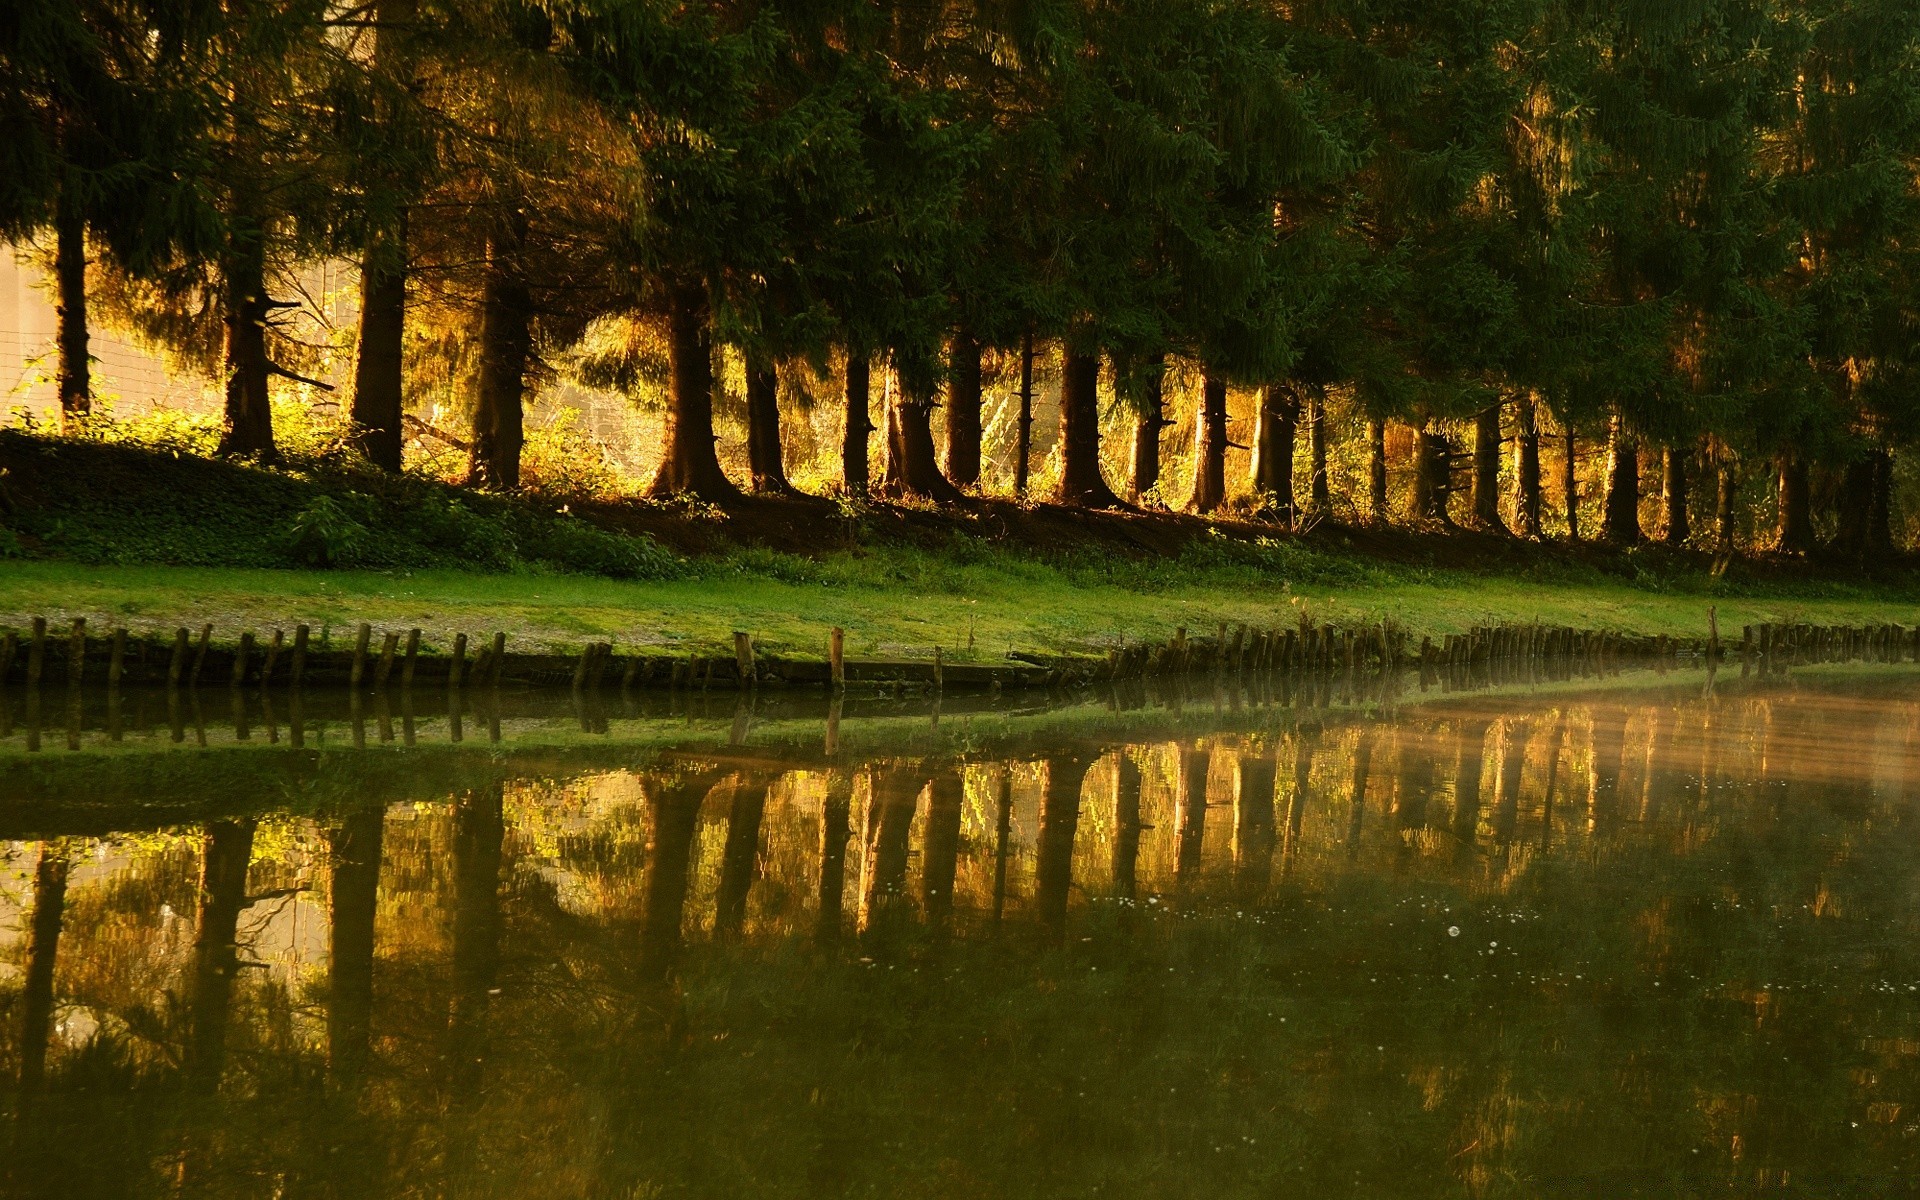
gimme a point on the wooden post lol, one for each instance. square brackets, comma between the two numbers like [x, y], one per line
[836, 659]
[200, 655]
[1713, 633]
[358, 671]
[273, 657]
[77, 652]
[457, 662]
[743, 656]
[298, 666]
[384, 669]
[939, 673]
[242, 658]
[413, 653]
[177, 666]
[581, 665]
[37, 652]
[602, 655]
[116, 658]
[9, 650]
[499, 653]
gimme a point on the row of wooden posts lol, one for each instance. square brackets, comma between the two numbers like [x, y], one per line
[190, 660]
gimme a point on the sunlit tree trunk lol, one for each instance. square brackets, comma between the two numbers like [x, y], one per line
[1794, 533]
[1023, 425]
[1144, 475]
[1526, 474]
[75, 380]
[689, 464]
[766, 460]
[856, 471]
[378, 376]
[249, 416]
[1318, 491]
[1726, 486]
[1570, 483]
[1210, 448]
[1675, 525]
[1273, 441]
[1377, 470]
[1621, 520]
[1432, 477]
[506, 343]
[1486, 470]
[1081, 483]
[912, 468]
[963, 412]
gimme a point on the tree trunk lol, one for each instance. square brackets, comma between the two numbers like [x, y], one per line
[1620, 522]
[1377, 470]
[1723, 519]
[43, 952]
[249, 428]
[856, 472]
[1023, 429]
[1147, 424]
[1317, 489]
[70, 273]
[1210, 448]
[1880, 507]
[1570, 485]
[1794, 533]
[912, 467]
[690, 464]
[1527, 469]
[1675, 527]
[1082, 484]
[963, 412]
[506, 342]
[378, 389]
[1486, 470]
[765, 457]
[1432, 477]
[1273, 440]
[353, 891]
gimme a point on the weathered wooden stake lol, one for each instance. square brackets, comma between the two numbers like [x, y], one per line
[836, 658]
[177, 667]
[383, 671]
[272, 658]
[37, 652]
[580, 666]
[413, 654]
[242, 658]
[499, 654]
[297, 666]
[9, 650]
[939, 672]
[116, 658]
[358, 671]
[457, 662]
[77, 652]
[200, 655]
[743, 656]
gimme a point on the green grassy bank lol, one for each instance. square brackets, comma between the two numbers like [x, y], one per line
[971, 601]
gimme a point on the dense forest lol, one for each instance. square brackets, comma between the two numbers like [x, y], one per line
[1432, 260]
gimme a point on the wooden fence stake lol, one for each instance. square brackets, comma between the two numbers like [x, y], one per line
[116, 658]
[298, 666]
[77, 652]
[384, 670]
[457, 664]
[413, 652]
[499, 653]
[177, 667]
[200, 655]
[743, 657]
[272, 659]
[37, 652]
[242, 658]
[358, 672]
[836, 658]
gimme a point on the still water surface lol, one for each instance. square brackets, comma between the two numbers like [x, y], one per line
[1605, 938]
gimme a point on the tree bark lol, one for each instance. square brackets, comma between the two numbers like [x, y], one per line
[249, 428]
[506, 342]
[690, 465]
[1675, 527]
[912, 467]
[963, 412]
[1862, 505]
[1794, 533]
[1144, 474]
[856, 472]
[1527, 469]
[1621, 520]
[1880, 507]
[1723, 516]
[1432, 477]
[1570, 484]
[1317, 487]
[353, 892]
[1273, 439]
[1082, 485]
[1486, 470]
[1377, 470]
[70, 273]
[765, 456]
[378, 387]
[1023, 429]
[1210, 448]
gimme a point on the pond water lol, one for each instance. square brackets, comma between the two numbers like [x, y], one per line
[1646, 935]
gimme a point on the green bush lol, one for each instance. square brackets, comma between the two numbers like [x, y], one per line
[569, 544]
[325, 534]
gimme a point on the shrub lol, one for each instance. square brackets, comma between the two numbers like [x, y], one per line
[325, 534]
[569, 544]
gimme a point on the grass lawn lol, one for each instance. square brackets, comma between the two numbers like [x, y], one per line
[903, 602]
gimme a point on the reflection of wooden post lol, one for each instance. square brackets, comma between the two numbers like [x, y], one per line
[177, 665]
[740, 860]
[498, 656]
[43, 946]
[457, 661]
[1059, 821]
[834, 832]
[1190, 799]
[940, 851]
[272, 657]
[223, 894]
[352, 900]
[1126, 825]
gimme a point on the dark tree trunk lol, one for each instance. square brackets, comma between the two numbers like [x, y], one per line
[675, 810]
[1059, 822]
[506, 342]
[223, 894]
[1147, 424]
[1675, 526]
[765, 456]
[1570, 484]
[43, 952]
[690, 465]
[70, 274]
[479, 835]
[249, 428]
[940, 858]
[1794, 533]
[1432, 477]
[1273, 439]
[855, 466]
[1377, 470]
[1723, 518]
[377, 372]
[740, 859]
[1880, 507]
[963, 412]
[1082, 485]
[353, 894]
[912, 467]
[1486, 470]
[1023, 428]
[1620, 522]
[1527, 469]
[1210, 448]
[1318, 491]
